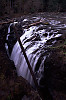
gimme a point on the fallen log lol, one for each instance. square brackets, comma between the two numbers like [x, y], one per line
[33, 24]
[6, 22]
[38, 23]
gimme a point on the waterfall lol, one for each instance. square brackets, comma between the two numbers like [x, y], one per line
[33, 40]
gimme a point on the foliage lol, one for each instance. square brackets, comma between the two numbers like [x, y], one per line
[31, 6]
[9, 97]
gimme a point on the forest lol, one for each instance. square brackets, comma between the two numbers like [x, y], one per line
[9, 7]
[32, 49]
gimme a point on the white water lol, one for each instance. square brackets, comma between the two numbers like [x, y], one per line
[33, 42]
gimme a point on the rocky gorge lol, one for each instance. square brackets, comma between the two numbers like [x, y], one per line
[54, 76]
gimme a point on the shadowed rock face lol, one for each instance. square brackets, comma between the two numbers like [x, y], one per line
[55, 70]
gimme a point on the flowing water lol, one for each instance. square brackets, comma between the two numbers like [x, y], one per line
[34, 41]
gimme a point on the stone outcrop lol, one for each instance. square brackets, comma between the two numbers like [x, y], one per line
[55, 69]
